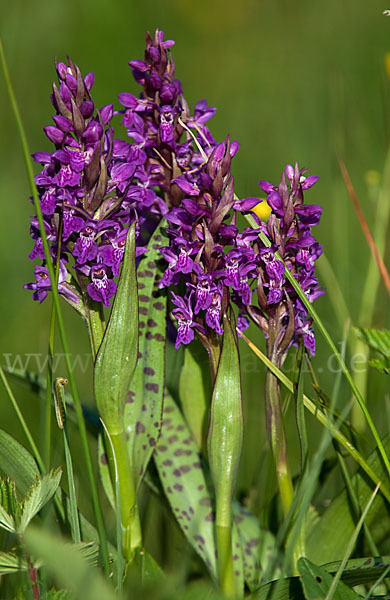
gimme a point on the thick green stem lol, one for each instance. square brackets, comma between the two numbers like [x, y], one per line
[278, 442]
[225, 560]
[131, 526]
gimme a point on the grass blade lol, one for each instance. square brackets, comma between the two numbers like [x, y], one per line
[61, 325]
[321, 416]
[324, 332]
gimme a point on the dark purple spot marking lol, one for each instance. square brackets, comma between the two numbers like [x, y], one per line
[143, 298]
[237, 573]
[169, 490]
[235, 557]
[127, 436]
[210, 517]
[178, 487]
[144, 407]
[253, 542]
[162, 448]
[150, 264]
[141, 285]
[139, 428]
[178, 452]
[200, 487]
[139, 354]
[167, 463]
[152, 323]
[191, 510]
[148, 273]
[205, 501]
[158, 305]
[156, 424]
[130, 397]
[180, 428]
[152, 387]
[155, 247]
[185, 468]
[149, 371]
[185, 527]
[158, 238]
[172, 439]
[169, 409]
[143, 446]
[197, 465]
[103, 458]
[141, 325]
[200, 539]
[143, 310]
[152, 442]
[177, 473]
[187, 441]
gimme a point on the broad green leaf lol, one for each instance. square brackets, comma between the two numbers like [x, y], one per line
[143, 408]
[257, 546]
[360, 570]
[195, 391]
[7, 521]
[282, 589]
[146, 567]
[329, 538]
[117, 356]
[179, 465]
[224, 441]
[316, 583]
[69, 567]
[17, 463]
[11, 563]
[39, 494]
[224, 445]
[377, 339]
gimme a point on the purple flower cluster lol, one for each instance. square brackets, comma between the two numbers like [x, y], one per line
[93, 186]
[84, 214]
[289, 227]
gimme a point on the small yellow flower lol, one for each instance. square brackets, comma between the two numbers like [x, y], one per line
[262, 210]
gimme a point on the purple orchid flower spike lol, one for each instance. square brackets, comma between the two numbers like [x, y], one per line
[82, 192]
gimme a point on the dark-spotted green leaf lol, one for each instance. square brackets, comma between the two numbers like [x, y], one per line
[143, 409]
[282, 589]
[316, 583]
[17, 463]
[360, 570]
[179, 465]
[117, 356]
[257, 546]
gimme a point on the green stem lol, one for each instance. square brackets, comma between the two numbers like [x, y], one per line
[278, 442]
[60, 321]
[131, 526]
[324, 332]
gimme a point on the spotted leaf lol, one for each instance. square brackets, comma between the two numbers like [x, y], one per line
[143, 408]
[178, 461]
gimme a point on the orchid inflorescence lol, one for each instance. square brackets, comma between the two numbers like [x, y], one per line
[93, 186]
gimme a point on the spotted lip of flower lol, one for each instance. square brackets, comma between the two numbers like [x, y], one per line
[101, 288]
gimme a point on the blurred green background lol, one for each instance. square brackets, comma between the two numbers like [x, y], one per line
[292, 81]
